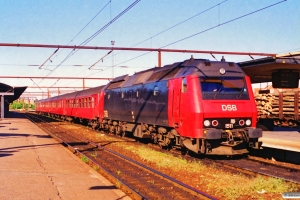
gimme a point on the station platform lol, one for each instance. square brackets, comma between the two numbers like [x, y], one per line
[35, 166]
[286, 140]
[280, 146]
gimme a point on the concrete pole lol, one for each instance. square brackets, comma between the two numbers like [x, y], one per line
[159, 59]
[2, 106]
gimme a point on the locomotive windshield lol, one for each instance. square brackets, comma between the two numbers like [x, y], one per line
[224, 88]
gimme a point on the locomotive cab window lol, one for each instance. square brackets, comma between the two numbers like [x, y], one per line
[225, 87]
[155, 91]
[184, 85]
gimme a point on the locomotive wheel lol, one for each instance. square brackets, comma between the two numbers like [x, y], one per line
[184, 151]
[123, 133]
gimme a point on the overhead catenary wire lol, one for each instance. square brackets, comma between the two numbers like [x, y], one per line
[208, 29]
[202, 12]
[97, 32]
[79, 32]
[227, 22]
[186, 38]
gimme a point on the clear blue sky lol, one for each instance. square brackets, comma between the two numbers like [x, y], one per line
[275, 29]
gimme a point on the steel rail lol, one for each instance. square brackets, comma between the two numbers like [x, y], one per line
[161, 174]
[96, 145]
[33, 119]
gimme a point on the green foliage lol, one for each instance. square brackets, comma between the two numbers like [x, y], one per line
[17, 104]
[84, 159]
[118, 172]
[118, 184]
[228, 185]
[94, 155]
[96, 168]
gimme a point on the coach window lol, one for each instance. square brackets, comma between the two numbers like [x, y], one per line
[89, 102]
[93, 104]
[184, 85]
[155, 91]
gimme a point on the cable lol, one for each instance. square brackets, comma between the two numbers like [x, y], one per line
[79, 33]
[204, 11]
[97, 33]
[213, 27]
[91, 37]
[223, 23]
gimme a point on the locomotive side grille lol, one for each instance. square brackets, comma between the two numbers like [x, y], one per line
[142, 77]
[157, 75]
[115, 85]
[231, 64]
[171, 73]
[164, 74]
[207, 63]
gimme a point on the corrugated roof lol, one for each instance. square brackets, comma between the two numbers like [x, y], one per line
[260, 70]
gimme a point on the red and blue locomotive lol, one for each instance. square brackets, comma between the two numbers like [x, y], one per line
[199, 105]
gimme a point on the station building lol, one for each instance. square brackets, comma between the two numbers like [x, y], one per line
[7, 95]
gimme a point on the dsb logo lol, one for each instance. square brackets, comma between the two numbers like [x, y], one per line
[229, 108]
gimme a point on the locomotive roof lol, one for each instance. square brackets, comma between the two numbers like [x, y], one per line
[199, 67]
[207, 68]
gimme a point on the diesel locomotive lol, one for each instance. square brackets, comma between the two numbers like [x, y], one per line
[204, 106]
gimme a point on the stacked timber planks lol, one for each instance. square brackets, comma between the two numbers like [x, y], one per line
[264, 105]
[280, 105]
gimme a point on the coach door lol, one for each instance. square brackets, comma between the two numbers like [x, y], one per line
[174, 102]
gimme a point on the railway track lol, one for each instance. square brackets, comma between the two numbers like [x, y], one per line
[135, 179]
[249, 165]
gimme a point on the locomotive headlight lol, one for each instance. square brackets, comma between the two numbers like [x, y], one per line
[248, 122]
[222, 71]
[215, 123]
[206, 123]
[241, 122]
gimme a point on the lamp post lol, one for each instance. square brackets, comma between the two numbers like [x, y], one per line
[112, 66]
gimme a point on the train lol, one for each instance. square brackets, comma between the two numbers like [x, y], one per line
[197, 105]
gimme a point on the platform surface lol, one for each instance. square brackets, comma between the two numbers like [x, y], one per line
[35, 166]
[287, 140]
